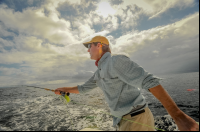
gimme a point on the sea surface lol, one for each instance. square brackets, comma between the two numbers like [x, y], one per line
[29, 109]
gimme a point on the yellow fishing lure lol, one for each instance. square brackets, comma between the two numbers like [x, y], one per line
[67, 98]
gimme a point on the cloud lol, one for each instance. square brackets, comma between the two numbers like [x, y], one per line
[164, 46]
[154, 8]
[188, 26]
[160, 7]
[36, 47]
[185, 28]
[14, 76]
[6, 43]
[74, 1]
[34, 22]
[105, 9]
[4, 32]
[46, 41]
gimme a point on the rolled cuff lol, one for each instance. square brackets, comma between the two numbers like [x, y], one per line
[80, 89]
[152, 83]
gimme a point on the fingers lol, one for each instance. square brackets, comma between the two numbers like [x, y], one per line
[57, 92]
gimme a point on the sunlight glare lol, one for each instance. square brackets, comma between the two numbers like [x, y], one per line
[105, 9]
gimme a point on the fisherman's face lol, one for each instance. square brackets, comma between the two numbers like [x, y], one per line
[95, 51]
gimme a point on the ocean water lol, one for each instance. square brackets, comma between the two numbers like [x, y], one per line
[27, 108]
[176, 85]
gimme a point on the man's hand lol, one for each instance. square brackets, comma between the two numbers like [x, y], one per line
[186, 123]
[67, 90]
[58, 90]
[183, 121]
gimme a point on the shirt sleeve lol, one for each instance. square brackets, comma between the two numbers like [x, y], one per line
[87, 86]
[133, 74]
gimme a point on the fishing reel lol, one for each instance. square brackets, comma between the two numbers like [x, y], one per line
[65, 95]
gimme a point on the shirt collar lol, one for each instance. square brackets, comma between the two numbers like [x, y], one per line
[100, 60]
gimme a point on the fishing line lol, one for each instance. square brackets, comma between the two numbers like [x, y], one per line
[63, 94]
[101, 111]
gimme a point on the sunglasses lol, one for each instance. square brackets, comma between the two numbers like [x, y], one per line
[89, 46]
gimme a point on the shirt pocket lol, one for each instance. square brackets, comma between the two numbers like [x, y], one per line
[109, 80]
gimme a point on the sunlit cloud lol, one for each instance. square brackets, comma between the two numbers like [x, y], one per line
[186, 27]
[105, 9]
[42, 44]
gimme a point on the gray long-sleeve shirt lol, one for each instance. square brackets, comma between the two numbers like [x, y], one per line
[120, 80]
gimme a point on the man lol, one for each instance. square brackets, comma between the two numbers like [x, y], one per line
[120, 79]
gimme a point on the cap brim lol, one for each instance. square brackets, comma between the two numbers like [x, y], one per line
[86, 44]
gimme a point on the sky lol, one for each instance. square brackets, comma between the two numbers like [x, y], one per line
[41, 40]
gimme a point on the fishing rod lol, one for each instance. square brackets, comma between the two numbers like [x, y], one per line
[64, 94]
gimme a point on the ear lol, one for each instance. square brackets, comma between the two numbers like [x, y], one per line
[100, 45]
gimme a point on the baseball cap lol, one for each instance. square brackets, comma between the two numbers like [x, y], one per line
[100, 39]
